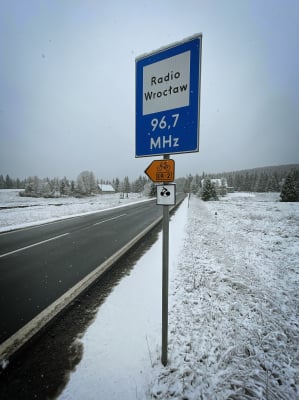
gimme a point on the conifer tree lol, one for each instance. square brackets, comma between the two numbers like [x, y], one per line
[288, 191]
[127, 186]
[2, 182]
[153, 190]
[8, 182]
[209, 191]
[116, 185]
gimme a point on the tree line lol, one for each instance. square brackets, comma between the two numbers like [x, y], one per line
[266, 179]
[9, 183]
[283, 179]
[85, 185]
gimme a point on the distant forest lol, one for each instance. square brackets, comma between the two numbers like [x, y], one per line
[86, 184]
[266, 179]
[9, 183]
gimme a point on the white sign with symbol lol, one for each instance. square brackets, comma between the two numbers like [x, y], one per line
[166, 195]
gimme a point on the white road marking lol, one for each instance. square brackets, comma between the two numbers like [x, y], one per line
[55, 237]
[33, 245]
[109, 219]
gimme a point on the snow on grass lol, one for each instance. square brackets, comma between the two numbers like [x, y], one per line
[19, 212]
[118, 346]
[234, 320]
[234, 310]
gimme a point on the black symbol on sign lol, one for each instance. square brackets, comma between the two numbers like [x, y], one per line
[163, 166]
[165, 192]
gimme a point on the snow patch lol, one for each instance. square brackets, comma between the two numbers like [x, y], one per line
[20, 212]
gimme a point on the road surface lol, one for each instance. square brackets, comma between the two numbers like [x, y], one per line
[39, 264]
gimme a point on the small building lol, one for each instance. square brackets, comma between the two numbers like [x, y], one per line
[106, 188]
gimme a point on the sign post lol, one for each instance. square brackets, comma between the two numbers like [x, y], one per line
[165, 268]
[167, 122]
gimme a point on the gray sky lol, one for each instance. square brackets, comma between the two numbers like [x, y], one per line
[67, 83]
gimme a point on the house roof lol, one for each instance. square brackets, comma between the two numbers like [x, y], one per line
[217, 182]
[106, 188]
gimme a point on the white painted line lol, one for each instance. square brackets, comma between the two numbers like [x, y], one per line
[24, 334]
[38, 224]
[109, 219]
[18, 339]
[33, 245]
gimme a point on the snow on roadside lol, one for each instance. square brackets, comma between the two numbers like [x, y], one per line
[234, 318]
[116, 359]
[19, 212]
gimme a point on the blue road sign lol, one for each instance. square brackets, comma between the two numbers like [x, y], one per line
[168, 98]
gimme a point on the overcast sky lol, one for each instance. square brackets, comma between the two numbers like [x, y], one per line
[67, 83]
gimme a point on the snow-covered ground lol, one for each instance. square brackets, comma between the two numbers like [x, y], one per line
[19, 212]
[234, 319]
[233, 315]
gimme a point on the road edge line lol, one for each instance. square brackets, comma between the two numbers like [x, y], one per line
[28, 331]
[23, 335]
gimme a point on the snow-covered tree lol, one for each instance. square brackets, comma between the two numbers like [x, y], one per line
[127, 186]
[208, 191]
[150, 189]
[194, 185]
[116, 184]
[2, 182]
[272, 183]
[8, 182]
[187, 183]
[86, 183]
[65, 187]
[289, 190]
[138, 184]
[33, 187]
[153, 190]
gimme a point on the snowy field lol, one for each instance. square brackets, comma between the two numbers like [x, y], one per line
[19, 212]
[233, 313]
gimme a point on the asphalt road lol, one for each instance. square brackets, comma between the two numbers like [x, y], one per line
[39, 264]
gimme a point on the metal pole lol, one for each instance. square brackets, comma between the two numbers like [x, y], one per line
[165, 257]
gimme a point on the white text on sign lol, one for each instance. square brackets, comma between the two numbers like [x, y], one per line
[162, 124]
[164, 142]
